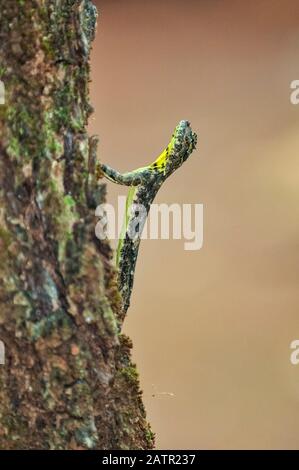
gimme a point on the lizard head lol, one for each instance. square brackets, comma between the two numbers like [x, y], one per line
[182, 143]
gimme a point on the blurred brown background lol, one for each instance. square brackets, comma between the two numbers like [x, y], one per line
[211, 328]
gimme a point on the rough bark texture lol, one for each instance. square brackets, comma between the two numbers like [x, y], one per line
[68, 381]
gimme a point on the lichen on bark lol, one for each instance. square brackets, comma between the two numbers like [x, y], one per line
[68, 381]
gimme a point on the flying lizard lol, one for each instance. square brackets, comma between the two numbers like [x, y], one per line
[144, 183]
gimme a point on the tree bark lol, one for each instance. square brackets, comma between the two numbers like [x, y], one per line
[68, 381]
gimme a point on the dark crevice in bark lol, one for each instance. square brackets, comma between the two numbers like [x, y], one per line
[68, 381]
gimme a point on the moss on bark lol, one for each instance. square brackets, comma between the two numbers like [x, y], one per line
[68, 381]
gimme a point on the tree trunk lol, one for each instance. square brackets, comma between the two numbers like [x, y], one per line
[68, 381]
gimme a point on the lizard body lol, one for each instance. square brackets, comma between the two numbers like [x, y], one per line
[144, 184]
